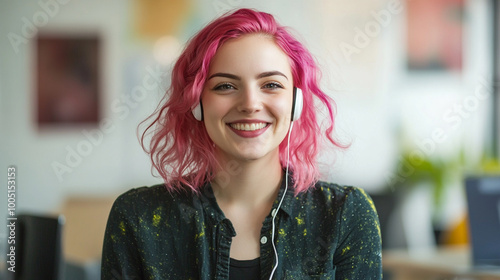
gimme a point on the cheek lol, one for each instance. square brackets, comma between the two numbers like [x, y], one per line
[212, 128]
[214, 110]
[210, 105]
[283, 109]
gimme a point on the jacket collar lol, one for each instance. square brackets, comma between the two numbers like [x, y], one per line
[211, 207]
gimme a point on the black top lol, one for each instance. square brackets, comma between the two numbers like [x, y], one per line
[244, 270]
[327, 232]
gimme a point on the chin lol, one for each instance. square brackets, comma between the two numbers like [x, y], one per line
[256, 155]
[250, 157]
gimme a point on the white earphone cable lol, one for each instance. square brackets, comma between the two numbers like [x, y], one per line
[281, 201]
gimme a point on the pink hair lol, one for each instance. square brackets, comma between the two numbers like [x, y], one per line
[180, 148]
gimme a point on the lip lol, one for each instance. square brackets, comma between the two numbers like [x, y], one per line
[249, 121]
[249, 134]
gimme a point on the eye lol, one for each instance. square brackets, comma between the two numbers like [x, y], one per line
[273, 85]
[224, 87]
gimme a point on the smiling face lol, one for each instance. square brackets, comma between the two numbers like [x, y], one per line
[247, 98]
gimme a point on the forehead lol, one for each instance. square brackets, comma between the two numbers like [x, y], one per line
[252, 52]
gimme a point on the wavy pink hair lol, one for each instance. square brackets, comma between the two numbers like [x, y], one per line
[181, 150]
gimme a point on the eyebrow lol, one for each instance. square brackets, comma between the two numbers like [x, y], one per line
[261, 75]
[224, 75]
[271, 73]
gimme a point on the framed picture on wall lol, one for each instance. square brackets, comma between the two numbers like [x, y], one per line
[67, 78]
[434, 35]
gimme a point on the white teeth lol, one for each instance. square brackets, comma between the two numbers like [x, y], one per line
[248, 126]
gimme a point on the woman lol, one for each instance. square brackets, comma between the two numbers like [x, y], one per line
[237, 151]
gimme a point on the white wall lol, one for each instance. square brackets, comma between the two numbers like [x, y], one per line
[374, 95]
[114, 162]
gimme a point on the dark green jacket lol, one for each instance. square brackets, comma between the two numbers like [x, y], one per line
[328, 232]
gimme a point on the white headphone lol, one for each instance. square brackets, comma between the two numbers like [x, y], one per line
[297, 105]
[198, 112]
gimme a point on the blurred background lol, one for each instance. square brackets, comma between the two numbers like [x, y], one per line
[413, 80]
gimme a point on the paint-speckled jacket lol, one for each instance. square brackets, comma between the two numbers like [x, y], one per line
[328, 232]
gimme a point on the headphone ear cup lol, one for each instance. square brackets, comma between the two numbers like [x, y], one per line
[298, 103]
[198, 112]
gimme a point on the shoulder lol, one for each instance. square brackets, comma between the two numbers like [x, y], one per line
[141, 196]
[347, 204]
[345, 196]
[144, 200]
[355, 208]
[357, 231]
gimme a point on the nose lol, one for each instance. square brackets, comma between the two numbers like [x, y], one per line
[250, 101]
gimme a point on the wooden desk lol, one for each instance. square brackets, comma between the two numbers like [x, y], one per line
[453, 263]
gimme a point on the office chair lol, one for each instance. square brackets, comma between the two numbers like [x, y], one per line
[38, 247]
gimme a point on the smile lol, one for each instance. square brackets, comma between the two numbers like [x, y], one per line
[248, 126]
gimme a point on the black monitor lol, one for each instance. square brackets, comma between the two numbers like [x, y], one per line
[483, 198]
[38, 247]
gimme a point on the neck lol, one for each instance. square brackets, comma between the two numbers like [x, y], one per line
[250, 183]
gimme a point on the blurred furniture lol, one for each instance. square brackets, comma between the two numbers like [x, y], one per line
[38, 247]
[433, 264]
[90, 270]
[405, 217]
[86, 219]
[385, 203]
[457, 234]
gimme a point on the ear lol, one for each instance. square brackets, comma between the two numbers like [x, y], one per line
[298, 103]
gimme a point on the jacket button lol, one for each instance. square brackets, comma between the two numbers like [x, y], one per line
[263, 240]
